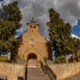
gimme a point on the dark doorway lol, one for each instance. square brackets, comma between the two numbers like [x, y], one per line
[32, 60]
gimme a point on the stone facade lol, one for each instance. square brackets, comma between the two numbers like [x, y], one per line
[33, 45]
[11, 71]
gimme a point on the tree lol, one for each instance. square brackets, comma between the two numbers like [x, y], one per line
[10, 17]
[60, 35]
[76, 48]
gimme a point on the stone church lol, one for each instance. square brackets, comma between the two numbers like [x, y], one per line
[32, 47]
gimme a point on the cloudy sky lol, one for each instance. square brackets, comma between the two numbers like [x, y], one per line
[68, 9]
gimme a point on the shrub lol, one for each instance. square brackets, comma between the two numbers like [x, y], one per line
[3, 58]
[59, 59]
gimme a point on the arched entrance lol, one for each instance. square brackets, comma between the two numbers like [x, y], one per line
[32, 59]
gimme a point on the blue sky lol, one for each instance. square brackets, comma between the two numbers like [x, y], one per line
[69, 10]
[76, 28]
[1, 0]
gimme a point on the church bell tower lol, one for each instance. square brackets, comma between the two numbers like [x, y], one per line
[32, 25]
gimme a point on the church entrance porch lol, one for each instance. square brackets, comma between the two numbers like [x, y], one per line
[32, 60]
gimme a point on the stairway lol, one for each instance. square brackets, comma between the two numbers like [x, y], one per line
[36, 74]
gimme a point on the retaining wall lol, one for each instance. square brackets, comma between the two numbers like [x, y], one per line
[12, 71]
[63, 71]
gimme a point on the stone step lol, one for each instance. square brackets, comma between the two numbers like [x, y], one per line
[34, 71]
[38, 78]
[36, 74]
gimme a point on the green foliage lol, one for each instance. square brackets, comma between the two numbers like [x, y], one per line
[3, 58]
[60, 35]
[9, 22]
[59, 59]
[12, 13]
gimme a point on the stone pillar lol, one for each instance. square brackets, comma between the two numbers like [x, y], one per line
[66, 58]
[38, 62]
[26, 62]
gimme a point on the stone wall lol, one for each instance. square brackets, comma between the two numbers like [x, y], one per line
[63, 71]
[38, 48]
[39, 45]
[12, 71]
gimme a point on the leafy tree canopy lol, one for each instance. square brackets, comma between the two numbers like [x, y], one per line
[10, 17]
[60, 35]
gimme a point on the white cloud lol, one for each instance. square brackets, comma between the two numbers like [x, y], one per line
[73, 35]
[68, 9]
[1, 4]
[6, 1]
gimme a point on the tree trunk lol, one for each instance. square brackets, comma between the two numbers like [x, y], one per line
[66, 58]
